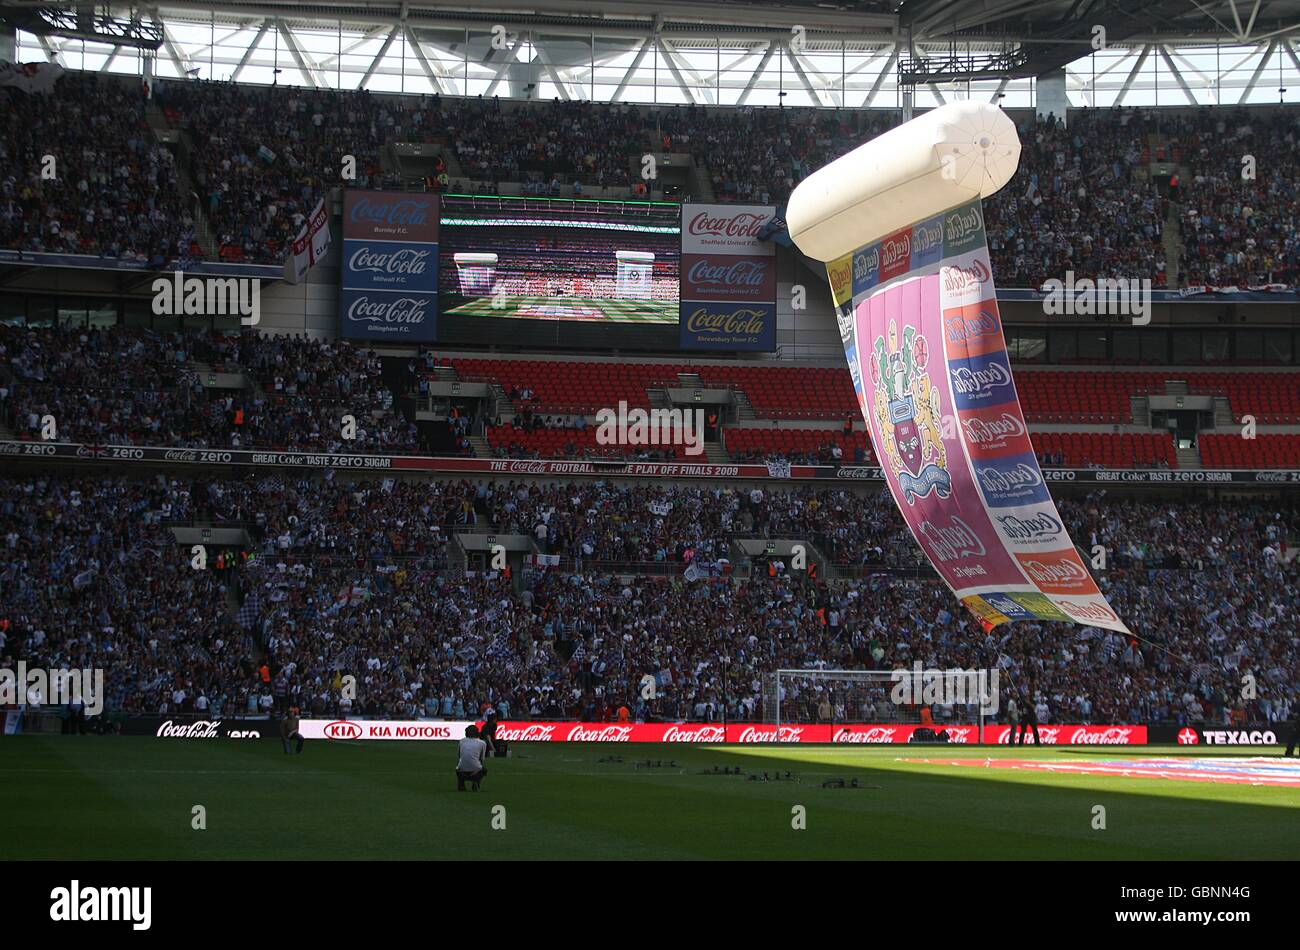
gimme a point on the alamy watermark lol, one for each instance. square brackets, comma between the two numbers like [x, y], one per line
[208, 296]
[955, 687]
[642, 427]
[1105, 296]
[37, 686]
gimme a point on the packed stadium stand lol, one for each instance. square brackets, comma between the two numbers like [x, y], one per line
[335, 572]
[346, 574]
[253, 160]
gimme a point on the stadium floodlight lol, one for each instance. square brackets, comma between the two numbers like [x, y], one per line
[883, 706]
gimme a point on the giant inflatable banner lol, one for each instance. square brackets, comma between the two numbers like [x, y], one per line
[919, 320]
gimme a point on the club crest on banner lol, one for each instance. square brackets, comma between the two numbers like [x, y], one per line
[909, 413]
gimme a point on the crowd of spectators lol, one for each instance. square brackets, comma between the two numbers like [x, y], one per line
[1240, 199]
[350, 577]
[129, 386]
[81, 172]
[1081, 202]
[1085, 198]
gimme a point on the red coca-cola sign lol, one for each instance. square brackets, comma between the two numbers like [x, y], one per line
[757, 732]
[1072, 735]
[900, 733]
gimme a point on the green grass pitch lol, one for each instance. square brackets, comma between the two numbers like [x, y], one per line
[572, 309]
[78, 798]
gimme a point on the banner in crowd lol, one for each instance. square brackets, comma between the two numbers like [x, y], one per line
[389, 280]
[604, 468]
[919, 321]
[728, 289]
[310, 246]
[37, 78]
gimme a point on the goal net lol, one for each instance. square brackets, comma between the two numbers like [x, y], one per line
[884, 705]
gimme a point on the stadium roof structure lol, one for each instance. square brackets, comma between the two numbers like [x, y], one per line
[824, 53]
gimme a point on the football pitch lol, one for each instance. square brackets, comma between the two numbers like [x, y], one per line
[86, 798]
[571, 308]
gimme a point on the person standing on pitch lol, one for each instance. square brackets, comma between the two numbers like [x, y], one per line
[470, 764]
[1030, 719]
[1294, 740]
[489, 733]
[289, 730]
[1013, 719]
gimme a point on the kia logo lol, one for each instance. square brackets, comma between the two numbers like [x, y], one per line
[342, 730]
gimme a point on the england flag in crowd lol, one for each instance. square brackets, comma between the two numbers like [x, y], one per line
[310, 246]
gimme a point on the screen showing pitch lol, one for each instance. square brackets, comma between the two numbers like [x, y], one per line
[559, 272]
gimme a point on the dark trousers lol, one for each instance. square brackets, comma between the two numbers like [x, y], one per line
[286, 740]
[1294, 740]
[1025, 726]
[474, 777]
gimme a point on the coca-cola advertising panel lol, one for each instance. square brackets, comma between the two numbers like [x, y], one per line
[728, 299]
[1072, 735]
[733, 733]
[710, 277]
[389, 281]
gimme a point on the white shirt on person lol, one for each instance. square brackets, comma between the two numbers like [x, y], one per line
[471, 755]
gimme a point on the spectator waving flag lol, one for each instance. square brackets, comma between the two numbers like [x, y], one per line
[36, 78]
[310, 246]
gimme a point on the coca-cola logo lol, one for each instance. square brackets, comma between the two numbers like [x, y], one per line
[770, 734]
[1047, 735]
[1017, 477]
[539, 732]
[893, 250]
[1271, 476]
[928, 237]
[1088, 610]
[951, 542]
[864, 265]
[342, 730]
[959, 224]
[694, 734]
[528, 467]
[987, 431]
[405, 211]
[200, 729]
[1036, 526]
[963, 329]
[957, 279]
[873, 734]
[10, 448]
[970, 382]
[745, 224]
[180, 455]
[406, 261]
[725, 321]
[581, 733]
[859, 472]
[740, 274]
[840, 274]
[1113, 735]
[1055, 572]
[402, 310]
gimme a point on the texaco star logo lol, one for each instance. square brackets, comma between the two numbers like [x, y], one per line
[1188, 737]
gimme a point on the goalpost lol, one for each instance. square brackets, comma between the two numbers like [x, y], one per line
[883, 705]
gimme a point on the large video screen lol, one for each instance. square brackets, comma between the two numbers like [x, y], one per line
[559, 272]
